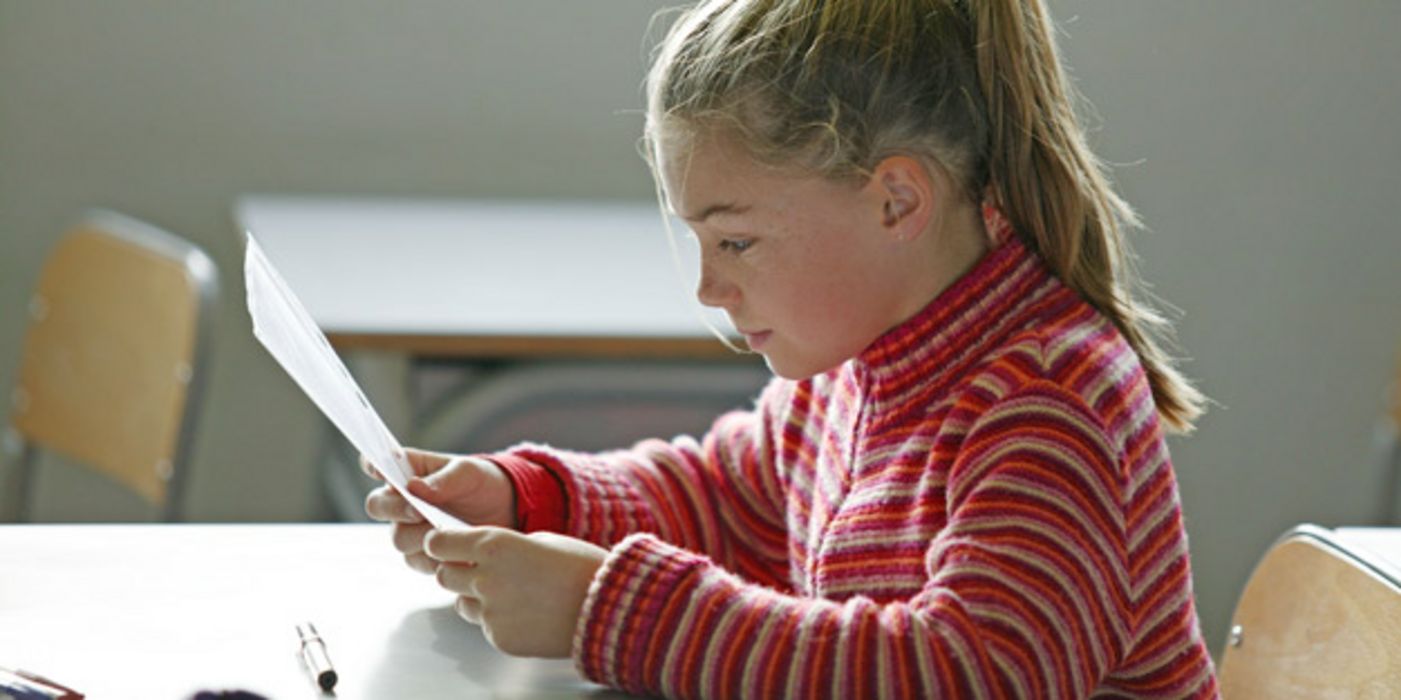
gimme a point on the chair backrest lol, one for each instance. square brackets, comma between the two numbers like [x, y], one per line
[1317, 620]
[1396, 397]
[1387, 439]
[114, 356]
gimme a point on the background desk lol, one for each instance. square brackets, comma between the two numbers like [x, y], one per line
[483, 278]
[475, 324]
[159, 611]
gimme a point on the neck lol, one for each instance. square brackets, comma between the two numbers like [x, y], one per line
[951, 245]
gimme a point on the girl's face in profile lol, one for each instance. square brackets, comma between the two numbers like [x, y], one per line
[800, 263]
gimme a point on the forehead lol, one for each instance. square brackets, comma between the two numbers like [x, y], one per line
[702, 169]
[684, 156]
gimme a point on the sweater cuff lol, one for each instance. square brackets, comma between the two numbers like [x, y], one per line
[632, 601]
[540, 503]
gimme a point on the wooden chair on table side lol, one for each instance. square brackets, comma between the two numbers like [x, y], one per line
[113, 363]
[1317, 620]
[1388, 439]
[1395, 398]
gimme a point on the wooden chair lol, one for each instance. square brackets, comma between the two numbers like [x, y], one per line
[1396, 396]
[114, 357]
[1387, 448]
[1317, 620]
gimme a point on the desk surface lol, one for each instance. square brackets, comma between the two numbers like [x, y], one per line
[488, 277]
[160, 611]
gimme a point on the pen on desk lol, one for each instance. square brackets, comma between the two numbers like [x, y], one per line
[313, 653]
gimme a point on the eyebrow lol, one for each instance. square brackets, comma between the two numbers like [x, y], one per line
[722, 208]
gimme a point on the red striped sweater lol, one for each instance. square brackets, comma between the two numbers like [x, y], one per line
[979, 505]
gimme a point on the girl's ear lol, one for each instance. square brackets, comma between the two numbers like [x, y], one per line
[907, 195]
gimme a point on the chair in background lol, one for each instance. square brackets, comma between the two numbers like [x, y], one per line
[113, 362]
[1388, 450]
[1317, 620]
[1396, 396]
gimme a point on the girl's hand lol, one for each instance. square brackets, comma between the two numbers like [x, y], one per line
[474, 490]
[525, 591]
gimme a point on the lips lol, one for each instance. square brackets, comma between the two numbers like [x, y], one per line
[756, 340]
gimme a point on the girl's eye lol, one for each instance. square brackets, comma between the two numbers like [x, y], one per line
[735, 245]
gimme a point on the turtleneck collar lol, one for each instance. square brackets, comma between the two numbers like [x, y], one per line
[963, 323]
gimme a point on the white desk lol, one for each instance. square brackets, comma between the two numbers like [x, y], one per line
[160, 611]
[488, 278]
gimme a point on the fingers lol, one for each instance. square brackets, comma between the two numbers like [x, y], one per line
[453, 477]
[469, 545]
[424, 462]
[456, 571]
[461, 579]
[408, 537]
[422, 563]
[408, 540]
[369, 469]
[470, 609]
[387, 505]
[419, 487]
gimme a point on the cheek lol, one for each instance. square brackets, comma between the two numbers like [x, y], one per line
[834, 271]
[822, 298]
[844, 301]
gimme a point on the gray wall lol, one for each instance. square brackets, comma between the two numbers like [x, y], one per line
[1258, 138]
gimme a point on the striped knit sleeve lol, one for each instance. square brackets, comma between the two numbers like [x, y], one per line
[1026, 595]
[719, 496]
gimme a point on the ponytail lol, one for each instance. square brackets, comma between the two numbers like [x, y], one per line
[1055, 192]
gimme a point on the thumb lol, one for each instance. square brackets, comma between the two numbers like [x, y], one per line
[442, 484]
[422, 488]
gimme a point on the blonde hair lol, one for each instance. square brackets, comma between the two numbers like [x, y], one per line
[976, 88]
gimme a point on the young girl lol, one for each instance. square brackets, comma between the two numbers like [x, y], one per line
[956, 485]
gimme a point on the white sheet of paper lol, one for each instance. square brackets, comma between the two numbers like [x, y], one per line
[284, 327]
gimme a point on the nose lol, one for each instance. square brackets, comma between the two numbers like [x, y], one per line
[714, 289]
